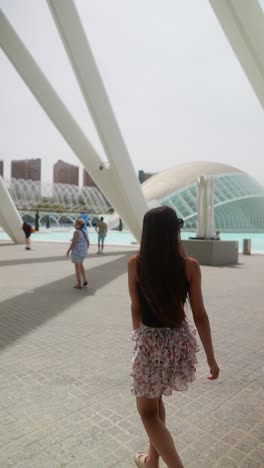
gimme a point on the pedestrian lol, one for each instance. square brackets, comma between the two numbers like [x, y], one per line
[160, 279]
[85, 217]
[217, 235]
[37, 221]
[78, 248]
[101, 229]
[28, 230]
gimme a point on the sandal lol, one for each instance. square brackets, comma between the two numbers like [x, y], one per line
[85, 283]
[140, 459]
[77, 287]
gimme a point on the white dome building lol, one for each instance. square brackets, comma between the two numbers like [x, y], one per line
[238, 197]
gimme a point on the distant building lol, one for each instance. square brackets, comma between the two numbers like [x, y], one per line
[143, 176]
[29, 169]
[64, 173]
[2, 168]
[88, 180]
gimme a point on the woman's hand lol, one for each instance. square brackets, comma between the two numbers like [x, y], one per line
[68, 253]
[214, 369]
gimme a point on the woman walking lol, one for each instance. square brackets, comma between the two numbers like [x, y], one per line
[78, 248]
[164, 355]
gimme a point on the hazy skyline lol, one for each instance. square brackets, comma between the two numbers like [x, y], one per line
[176, 87]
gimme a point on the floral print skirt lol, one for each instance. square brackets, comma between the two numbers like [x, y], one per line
[163, 360]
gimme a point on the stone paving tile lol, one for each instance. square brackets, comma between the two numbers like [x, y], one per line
[64, 367]
[225, 462]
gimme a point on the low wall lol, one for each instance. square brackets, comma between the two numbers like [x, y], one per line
[212, 252]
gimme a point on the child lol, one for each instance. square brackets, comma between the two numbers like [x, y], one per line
[78, 248]
[163, 360]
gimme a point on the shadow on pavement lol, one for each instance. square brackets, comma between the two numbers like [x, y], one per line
[235, 266]
[21, 314]
[24, 261]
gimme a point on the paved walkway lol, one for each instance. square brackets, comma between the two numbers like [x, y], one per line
[64, 384]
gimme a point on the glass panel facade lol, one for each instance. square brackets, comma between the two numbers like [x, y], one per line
[239, 203]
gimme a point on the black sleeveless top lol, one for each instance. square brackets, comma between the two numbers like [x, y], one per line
[148, 317]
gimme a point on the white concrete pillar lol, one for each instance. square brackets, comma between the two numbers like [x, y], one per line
[10, 219]
[243, 25]
[205, 207]
[40, 87]
[84, 66]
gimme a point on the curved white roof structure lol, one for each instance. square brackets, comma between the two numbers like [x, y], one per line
[238, 197]
[166, 182]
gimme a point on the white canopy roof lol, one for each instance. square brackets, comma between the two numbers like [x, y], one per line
[175, 178]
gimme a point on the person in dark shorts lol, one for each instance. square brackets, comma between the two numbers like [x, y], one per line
[27, 231]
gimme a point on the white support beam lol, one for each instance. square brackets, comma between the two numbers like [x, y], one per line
[10, 219]
[47, 97]
[243, 25]
[84, 66]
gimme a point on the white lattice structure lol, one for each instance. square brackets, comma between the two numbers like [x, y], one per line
[29, 194]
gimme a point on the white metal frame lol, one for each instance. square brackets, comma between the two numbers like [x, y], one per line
[243, 24]
[118, 182]
[10, 219]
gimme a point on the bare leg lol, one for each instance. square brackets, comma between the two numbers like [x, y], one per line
[83, 273]
[98, 245]
[159, 435]
[78, 274]
[153, 456]
[102, 246]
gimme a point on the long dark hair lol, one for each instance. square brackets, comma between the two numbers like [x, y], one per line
[161, 265]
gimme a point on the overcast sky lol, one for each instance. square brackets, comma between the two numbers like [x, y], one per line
[176, 87]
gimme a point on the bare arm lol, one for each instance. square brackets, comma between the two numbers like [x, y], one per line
[133, 291]
[200, 316]
[88, 242]
[86, 238]
[73, 243]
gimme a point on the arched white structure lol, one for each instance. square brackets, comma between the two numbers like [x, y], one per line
[10, 219]
[74, 39]
[118, 182]
[243, 24]
[30, 194]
